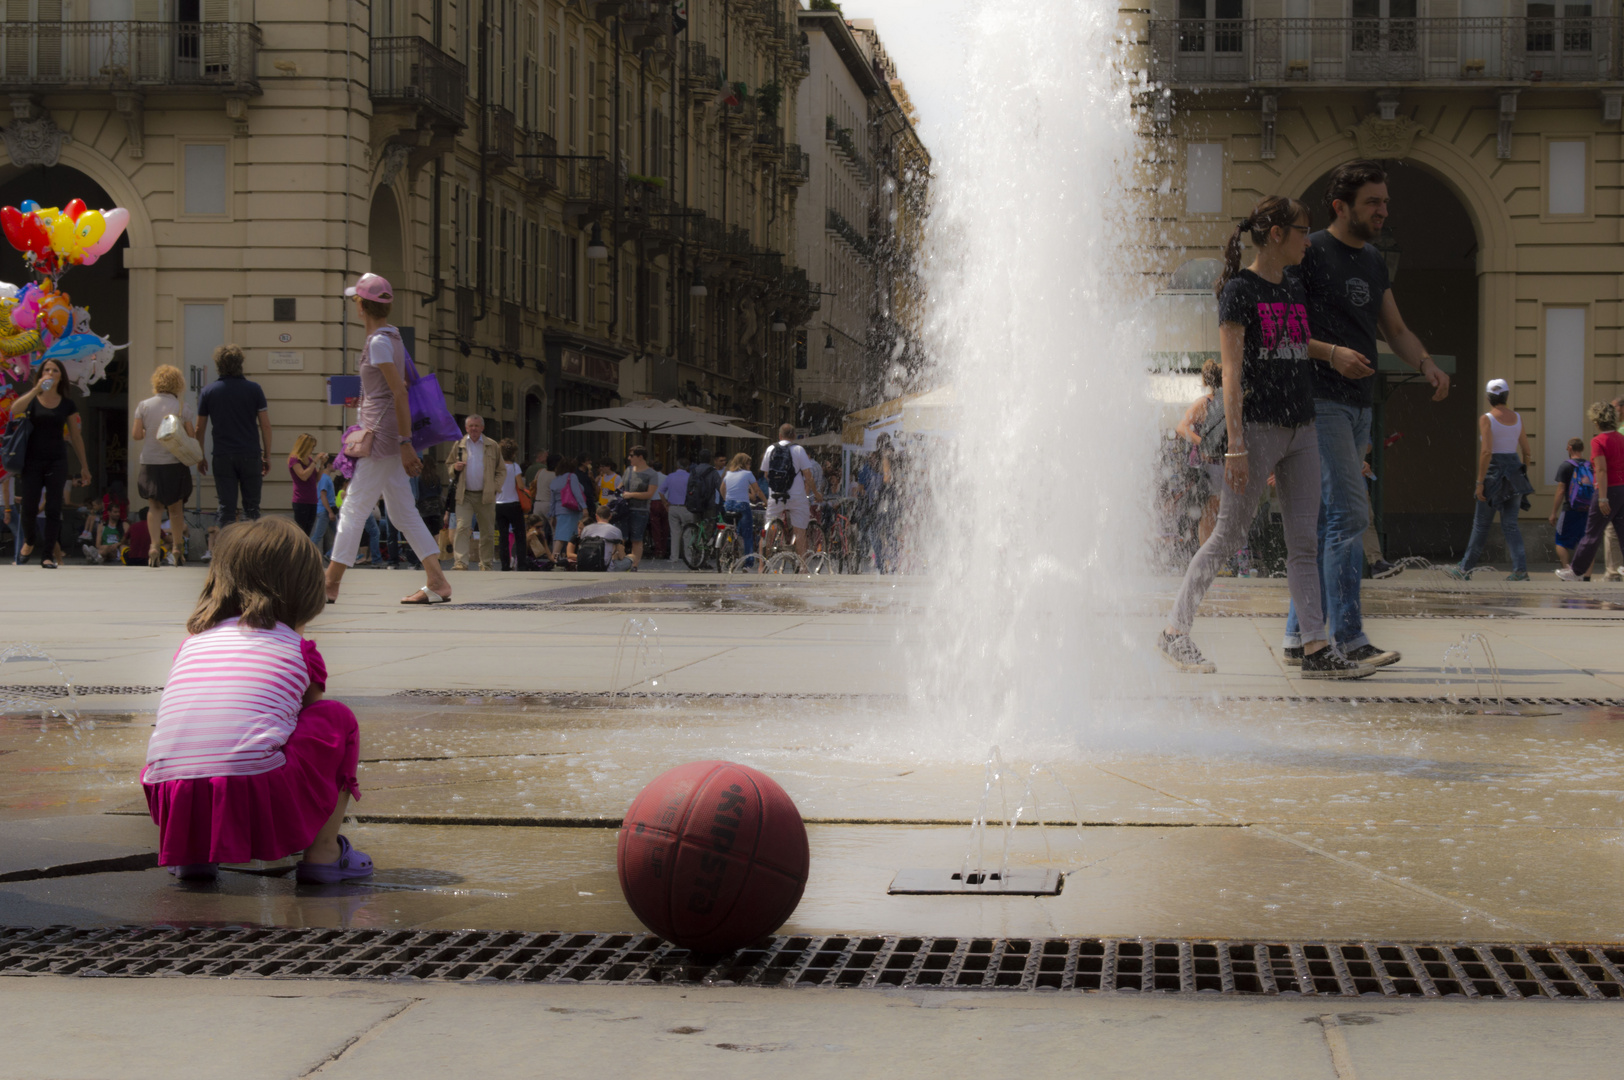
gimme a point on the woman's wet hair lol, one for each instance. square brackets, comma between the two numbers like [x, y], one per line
[264, 572]
[1603, 415]
[1271, 212]
[1212, 374]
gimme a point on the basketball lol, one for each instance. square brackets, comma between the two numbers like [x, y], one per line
[713, 856]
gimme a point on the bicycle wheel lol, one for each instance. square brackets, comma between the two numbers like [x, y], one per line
[749, 564]
[692, 547]
[815, 540]
[819, 562]
[729, 551]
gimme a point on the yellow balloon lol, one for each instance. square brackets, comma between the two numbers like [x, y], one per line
[70, 238]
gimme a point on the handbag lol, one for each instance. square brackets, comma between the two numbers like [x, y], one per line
[527, 501]
[432, 422]
[14, 448]
[172, 437]
[358, 443]
[567, 498]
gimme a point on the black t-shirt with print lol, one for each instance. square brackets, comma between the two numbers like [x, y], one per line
[1276, 377]
[48, 440]
[1345, 289]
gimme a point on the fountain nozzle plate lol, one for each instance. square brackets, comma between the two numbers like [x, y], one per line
[1023, 881]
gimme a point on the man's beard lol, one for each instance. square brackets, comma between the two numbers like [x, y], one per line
[1362, 229]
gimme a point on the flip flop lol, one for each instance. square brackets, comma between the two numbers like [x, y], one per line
[349, 864]
[430, 597]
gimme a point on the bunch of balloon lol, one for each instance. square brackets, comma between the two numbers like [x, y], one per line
[38, 321]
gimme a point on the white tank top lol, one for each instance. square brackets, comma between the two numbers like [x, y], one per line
[1503, 437]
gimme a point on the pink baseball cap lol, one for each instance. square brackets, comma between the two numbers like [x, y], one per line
[372, 287]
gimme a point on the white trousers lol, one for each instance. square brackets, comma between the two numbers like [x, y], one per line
[377, 477]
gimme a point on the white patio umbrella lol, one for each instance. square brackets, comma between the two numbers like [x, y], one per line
[649, 417]
[703, 428]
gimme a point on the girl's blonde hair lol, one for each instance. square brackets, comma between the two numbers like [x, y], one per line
[167, 379]
[265, 572]
[740, 461]
[1603, 415]
[302, 446]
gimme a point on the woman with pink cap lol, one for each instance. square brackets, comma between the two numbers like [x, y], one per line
[382, 450]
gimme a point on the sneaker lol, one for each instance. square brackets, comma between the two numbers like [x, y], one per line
[1457, 573]
[1381, 568]
[1566, 574]
[171, 559]
[91, 554]
[1369, 654]
[1180, 651]
[1326, 664]
[1517, 575]
[208, 556]
[1614, 575]
[1292, 656]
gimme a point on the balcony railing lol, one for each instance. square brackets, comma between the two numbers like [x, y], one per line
[37, 56]
[410, 71]
[1367, 50]
[797, 164]
[592, 183]
[537, 168]
[501, 135]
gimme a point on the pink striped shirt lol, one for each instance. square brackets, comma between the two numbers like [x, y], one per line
[229, 705]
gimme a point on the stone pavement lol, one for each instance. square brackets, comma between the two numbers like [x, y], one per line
[1244, 808]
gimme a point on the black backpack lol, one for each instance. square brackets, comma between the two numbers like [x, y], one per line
[14, 450]
[620, 512]
[592, 553]
[701, 496]
[781, 470]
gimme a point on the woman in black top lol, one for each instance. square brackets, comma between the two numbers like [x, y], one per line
[45, 462]
[1268, 402]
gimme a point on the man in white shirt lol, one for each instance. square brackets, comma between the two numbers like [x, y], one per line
[476, 467]
[795, 504]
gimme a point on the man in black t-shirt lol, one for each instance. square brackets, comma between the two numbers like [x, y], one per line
[1350, 304]
[241, 417]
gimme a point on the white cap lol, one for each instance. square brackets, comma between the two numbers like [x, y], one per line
[1499, 386]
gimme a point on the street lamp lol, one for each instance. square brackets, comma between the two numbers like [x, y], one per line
[698, 287]
[828, 347]
[779, 325]
[595, 248]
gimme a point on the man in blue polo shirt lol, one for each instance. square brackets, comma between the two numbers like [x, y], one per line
[242, 436]
[1350, 303]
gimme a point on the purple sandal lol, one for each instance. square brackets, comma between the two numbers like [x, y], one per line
[350, 864]
[202, 871]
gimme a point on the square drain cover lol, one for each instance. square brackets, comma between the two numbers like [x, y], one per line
[1022, 881]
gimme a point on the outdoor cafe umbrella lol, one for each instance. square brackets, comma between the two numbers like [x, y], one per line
[649, 417]
[700, 427]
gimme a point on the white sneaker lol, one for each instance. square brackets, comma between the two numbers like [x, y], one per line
[208, 555]
[172, 559]
[91, 554]
[1614, 575]
[1567, 575]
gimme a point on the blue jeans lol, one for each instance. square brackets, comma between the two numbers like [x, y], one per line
[234, 473]
[1344, 432]
[1508, 507]
[747, 523]
[321, 531]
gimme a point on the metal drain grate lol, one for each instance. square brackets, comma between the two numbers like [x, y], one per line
[1327, 969]
[58, 690]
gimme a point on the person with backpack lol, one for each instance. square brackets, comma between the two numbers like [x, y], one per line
[1502, 482]
[1575, 491]
[567, 500]
[1607, 459]
[602, 547]
[790, 486]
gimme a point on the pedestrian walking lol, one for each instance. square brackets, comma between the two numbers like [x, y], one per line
[382, 449]
[305, 467]
[1190, 428]
[326, 527]
[1269, 430]
[567, 500]
[54, 420]
[476, 469]
[1570, 509]
[1502, 483]
[639, 487]
[164, 480]
[510, 531]
[241, 456]
[1350, 303]
[1607, 459]
[1614, 558]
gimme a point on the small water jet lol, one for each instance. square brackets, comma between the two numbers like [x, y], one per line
[1458, 658]
[647, 656]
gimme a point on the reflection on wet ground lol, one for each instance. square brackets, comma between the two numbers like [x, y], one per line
[1235, 819]
[773, 595]
[1434, 604]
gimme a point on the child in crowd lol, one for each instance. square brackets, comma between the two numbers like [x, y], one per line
[539, 542]
[247, 761]
[107, 536]
[137, 542]
[608, 482]
[1575, 491]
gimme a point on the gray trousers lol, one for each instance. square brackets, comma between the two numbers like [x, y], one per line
[1291, 455]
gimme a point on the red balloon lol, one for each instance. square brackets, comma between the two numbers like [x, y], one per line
[34, 236]
[11, 220]
[713, 856]
[74, 208]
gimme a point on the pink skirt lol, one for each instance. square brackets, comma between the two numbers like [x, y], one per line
[270, 816]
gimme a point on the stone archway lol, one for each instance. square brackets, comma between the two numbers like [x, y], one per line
[386, 238]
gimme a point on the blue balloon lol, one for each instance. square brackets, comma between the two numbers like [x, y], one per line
[28, 206]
